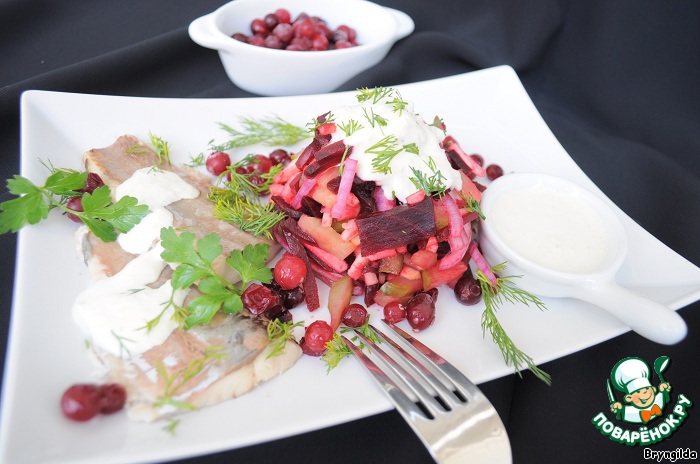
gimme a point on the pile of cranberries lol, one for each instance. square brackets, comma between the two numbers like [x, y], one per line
[306, 33]
[218, 162]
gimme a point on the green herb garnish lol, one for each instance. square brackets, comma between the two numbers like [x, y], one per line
[278, 333]
[432, 183]
[175, 381]
[337, 350]
[99, 214]
[248, 215]
[350, 127]
[375, 95]
[269, 131]
[196, 268]
[494, 296]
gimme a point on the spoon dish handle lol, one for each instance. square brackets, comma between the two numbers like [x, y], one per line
[648, 318]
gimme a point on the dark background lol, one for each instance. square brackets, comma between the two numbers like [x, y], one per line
[617, 82]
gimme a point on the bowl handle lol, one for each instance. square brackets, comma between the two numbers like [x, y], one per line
[404, 23]
[204, 32]
[648, 318]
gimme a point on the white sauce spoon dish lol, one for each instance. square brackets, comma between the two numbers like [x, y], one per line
[564, 241]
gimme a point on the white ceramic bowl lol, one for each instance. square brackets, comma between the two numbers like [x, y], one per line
[646, 317]
[270, 72]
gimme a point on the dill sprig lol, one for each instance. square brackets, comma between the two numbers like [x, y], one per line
[196, 161]
[248, 215]
[494, 296]
[268, 131]
[374, 119]
[385, 150]
[350, 127]
[398, 103]
[440, 124]
[471, 205]
[337, 350]
[161, 147]
[375, 95]
[278, 333]
[248, 183]
[171, 425]
[175, 381]
[429, 183]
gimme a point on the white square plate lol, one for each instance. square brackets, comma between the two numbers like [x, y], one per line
[488, 111]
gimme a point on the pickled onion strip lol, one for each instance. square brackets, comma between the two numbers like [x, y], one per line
[383, 203]
[481, 263]
[349, 169]
[303, 191]
[454, 217]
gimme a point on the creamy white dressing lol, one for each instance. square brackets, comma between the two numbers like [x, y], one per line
[556, 230]
[156, 189]
[409, 128]
[114, 311]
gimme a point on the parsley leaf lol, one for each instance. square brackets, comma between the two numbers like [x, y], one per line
[195, 268]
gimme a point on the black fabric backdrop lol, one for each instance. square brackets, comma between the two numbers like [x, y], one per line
[617, 82]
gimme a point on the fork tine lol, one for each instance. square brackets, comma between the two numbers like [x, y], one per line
[462, 383]
[403, 403]
[446, 395]
[426, 399]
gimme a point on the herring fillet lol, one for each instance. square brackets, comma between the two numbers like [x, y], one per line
[240, 338]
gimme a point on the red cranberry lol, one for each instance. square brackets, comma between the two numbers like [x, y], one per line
[319, 42]
[75, 204]
[271, 20]
[494, 171]
[352, 35]
[272, 41]
[306, 29]
[262, 163]
[292, 298]
[113, 398]
[257, 298]
[279, 156]
[355, 315]
[218, 162]
[478, 159]
[317, 334]
[283, 15]
[394, 312]
[290, 271]
[257, 26]
[257, 40]
[81, 402]
[240, 37]
[284, 32]
[420, 311]
[92, 182]
[467, 289]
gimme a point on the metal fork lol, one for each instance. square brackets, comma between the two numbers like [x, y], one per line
[450, 415]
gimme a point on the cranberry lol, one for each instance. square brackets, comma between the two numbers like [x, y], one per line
[306, 29]
[292, 298]
[279, 156]
[92, 182]
[302, 43]
[317, 334]
[257, 40]
[262, 164]
[283, 15]
[113, 398]
[240, 37]
[257, 26]
[249, 169]
[494, 171]
[273, 42]
[81, 402]
[290, 271]
[319, 42]
[271, 20]
[420, 311]
[478, 159]
[75, 204]
[217, 162]
[284, 32]
[394, 312]
[467, 289]
[355, 315]
[351, 34]
[257, 298]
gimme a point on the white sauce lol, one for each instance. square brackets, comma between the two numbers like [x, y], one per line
[553, 229]
[157, 189]
[113, 311]
[408, 128]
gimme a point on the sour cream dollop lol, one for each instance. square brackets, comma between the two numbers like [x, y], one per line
[422, 140]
